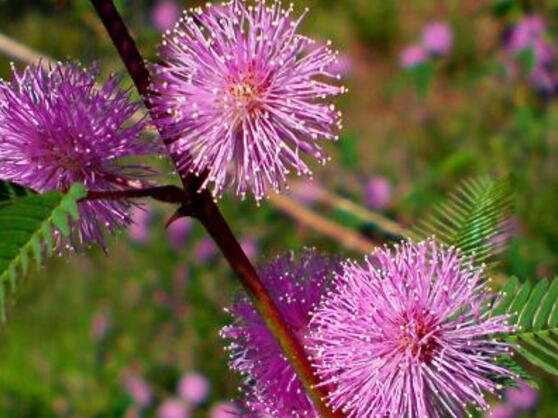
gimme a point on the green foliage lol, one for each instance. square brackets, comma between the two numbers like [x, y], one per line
[534, 312]
[27, 223]
[472, 219]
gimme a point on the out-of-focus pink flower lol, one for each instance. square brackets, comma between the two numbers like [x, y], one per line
[179, 231]
[173, 408]
[100, 325]
[412, 56]
[165, 14]
[250, 247]
[378, 193]
[437, 38]
[502, 410]
[139, 230]
[524, 33]
[193, 388]
[224, 410]
[305, 192]
[524, 397]
[205, 250]
[138, 389]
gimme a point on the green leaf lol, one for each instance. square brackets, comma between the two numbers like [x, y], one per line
[472, 219]
[27, 221]
[532, 311]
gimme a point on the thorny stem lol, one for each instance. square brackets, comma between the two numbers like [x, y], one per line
[202, 207]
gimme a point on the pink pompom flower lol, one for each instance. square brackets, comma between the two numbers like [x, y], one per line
[59, 127]
[240, 96]
[271, 385]
[405, 335]
[193, 388]
[412, 56]
[437, 38]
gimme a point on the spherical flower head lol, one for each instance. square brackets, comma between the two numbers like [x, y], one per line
[240, 96]
[193, 388]
[165, 14]
[173, 408]
[378, 193]
[296, 285]
[412, 56]
[437, 38]
[405, 335]
[58, 127]
[179, 231]
[502, 410]
[523, 397]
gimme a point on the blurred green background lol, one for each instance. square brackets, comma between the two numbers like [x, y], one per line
[85, 327]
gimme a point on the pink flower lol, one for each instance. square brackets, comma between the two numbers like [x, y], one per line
[502, 411]
[250, 247]
[193, 388]
[204, 251]
[378, 193]
[165, 14]
[524, 397]
[296, 285]
[404, 335]
[437, 38]
[412, 56]
[179, 231]
[139, 230]
[138, 389]
[173, 408]
[241, 96]
[100, 325]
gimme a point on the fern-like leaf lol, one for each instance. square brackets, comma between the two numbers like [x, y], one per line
[27, 223]
[473, 218]
[534, 312]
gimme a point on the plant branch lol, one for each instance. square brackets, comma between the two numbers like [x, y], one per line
[206, 211]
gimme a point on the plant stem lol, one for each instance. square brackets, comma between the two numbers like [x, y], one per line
[206, 211]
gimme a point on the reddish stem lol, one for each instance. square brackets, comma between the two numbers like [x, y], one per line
[202, 207]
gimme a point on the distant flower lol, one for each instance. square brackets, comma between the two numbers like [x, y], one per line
[524, 397]
[193, 388]
[525, 33]
[437, 38]
[502, 411]
[138, 389]
[165, 14]
[412, 56]
[139, 230]
[173, 408]
[530, 34]
[224, 410]
[204, 251]
[296, 285]
[58, 127]
[178, 232]
[250, 247]
[378, 193]
[405, 335]
[240, 96]
[100, 325]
